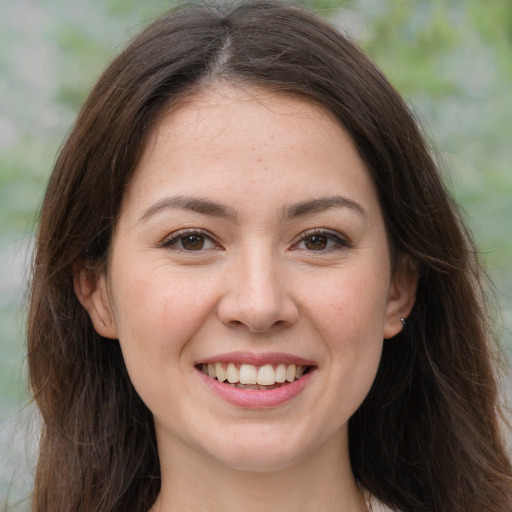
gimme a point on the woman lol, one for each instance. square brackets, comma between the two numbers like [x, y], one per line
[251, 288]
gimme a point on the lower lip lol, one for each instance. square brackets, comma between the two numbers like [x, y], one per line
[255, 398]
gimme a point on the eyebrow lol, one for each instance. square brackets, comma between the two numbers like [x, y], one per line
[208, 207]
[195, 204]
[322, 204]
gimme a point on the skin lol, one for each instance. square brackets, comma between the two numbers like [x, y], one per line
[261, 283]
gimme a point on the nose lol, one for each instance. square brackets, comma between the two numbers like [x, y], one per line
[257, 296]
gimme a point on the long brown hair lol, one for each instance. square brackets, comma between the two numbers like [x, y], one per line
[427, 437]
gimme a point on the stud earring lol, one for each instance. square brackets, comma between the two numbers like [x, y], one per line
[403, 321]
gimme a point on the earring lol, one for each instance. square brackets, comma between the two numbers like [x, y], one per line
[403, 321]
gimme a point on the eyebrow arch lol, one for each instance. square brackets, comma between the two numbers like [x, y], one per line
[322, 204]
[195, 204]
[208, 207]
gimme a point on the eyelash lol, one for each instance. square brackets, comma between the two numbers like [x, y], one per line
[174, 239]
[339, 241]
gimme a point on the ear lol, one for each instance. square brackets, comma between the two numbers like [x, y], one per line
[91, 289]
[401, 297]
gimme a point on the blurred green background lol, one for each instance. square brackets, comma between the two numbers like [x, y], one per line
[452, 60]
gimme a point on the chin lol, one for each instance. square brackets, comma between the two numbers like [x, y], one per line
[262, 451]
[257, 460]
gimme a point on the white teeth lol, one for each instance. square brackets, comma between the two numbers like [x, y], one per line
[248, 374]
[253, 377]
[266, 375]
[281, 373]
[221, 373]
[291, 372]
[232, 373]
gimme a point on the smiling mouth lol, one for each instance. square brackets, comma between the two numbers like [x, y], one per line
[248, 376]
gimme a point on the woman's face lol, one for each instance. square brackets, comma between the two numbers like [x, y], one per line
[250, 243]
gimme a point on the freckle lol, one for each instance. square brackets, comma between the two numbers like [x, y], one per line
[258, 161]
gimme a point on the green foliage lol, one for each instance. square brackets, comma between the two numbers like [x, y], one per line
[325, 7]
[79, 56]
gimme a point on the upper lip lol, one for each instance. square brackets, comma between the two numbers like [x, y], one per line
[257, 359]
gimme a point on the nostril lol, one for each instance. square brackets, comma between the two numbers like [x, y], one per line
[254, 327]
[257, 312]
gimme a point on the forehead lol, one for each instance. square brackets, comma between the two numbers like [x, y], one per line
[250, 142]
[241, 115]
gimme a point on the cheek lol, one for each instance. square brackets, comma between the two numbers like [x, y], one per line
[350, 306]
[157, 315]
[160, 309]
[349, 313]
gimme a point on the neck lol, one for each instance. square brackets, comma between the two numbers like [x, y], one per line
[324, 481]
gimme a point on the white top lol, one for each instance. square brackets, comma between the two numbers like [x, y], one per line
[377, 506]
[374, 505]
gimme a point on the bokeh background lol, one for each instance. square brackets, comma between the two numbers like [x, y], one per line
[451, 59]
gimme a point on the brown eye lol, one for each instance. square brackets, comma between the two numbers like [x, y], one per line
[316, 242]
[321, 241]
[192, 242]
